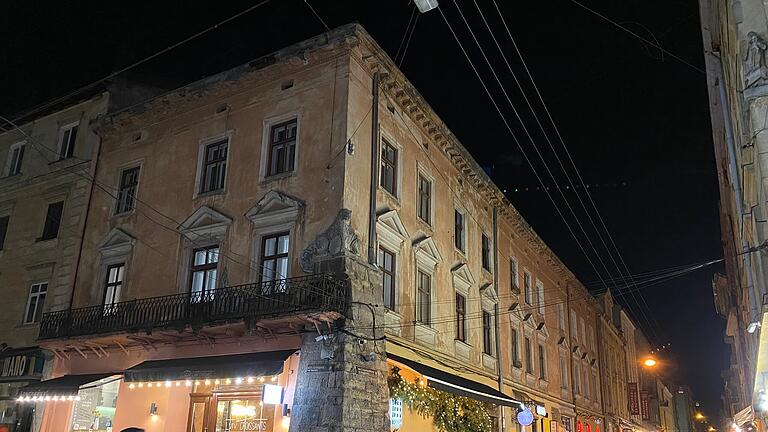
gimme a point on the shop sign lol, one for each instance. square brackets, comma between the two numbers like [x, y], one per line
[525, 417]
[553, 426]
[645, 405]
[541, 411]
[566, 423]
[579, 427]
[22, 365]
[395, 413]
[634, 404]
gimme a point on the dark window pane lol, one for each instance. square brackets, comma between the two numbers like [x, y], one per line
[214, 166]
[52, 221]
[387, 265]
[282, 148]
[3, 230]
[389, 167]
[126, 194]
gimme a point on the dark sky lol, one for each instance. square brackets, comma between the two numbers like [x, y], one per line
[635, 120]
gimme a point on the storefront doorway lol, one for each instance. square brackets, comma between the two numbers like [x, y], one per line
[243, 410]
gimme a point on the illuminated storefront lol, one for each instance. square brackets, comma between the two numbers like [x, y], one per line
[231, 393]
[20, 367]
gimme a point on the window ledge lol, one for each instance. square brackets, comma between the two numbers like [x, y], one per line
[489, 362]
[276, 177]
[425, 334]
[221, 191]
[426, 226]
[124, 214]
[462, 349]
[47, 242]
[392, 321]
[390, 195]
[28, 325]
[543, 384]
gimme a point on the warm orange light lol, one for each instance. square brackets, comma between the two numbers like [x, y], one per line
[649, 362]
[699, 416]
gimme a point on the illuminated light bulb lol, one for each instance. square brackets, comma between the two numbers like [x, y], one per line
[178, 383]
[20, 399]
[132, 386]
[250, 380]
[274, 378]
[217, 382]
[238, 380]
[261, 379]
[207, 382]
[188, 383]
[149, 385]
[168, 384]
[34, 398]
[197, 382]
[77, 398]
[55, 398]
[70, 397]
[228, 381]
[47, 398]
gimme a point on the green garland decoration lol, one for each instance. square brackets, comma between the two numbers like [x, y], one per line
[450, 413]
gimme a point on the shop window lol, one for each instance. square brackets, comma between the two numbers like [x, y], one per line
[203, 273]
[274, 260]
[35, 302]
[282, 148]
[241, 415]
[95, 409]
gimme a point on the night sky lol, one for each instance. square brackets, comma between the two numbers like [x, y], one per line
[635, 120]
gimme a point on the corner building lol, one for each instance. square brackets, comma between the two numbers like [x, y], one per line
[248, 274]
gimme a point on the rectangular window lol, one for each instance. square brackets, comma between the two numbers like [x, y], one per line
[214, 166]
[574, 324]
[424, 208]
[542, 363]
[52, 221]
[389, 167]
[126, 193]
[203, 271]
[527, 288]
[3, 230]
[387, 265]
[515, 349]
[282, 147]
[576, 378]
[563, 373]
[583, 334]
[561, 316]
[67, 138]
[424, 299]
[458, 230]
[15, 158]
[586, 384]
[35, 303]
[486, 252]
[113, 286]
[461, 317]
[528, 356]
[274, 260]
[487, 333]
[513, 275]
[540, 297]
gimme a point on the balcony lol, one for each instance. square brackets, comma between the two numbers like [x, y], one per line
[315, 294]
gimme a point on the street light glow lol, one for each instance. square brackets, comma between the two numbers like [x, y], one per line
[649, 362]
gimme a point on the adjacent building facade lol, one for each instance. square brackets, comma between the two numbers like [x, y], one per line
[300, 243]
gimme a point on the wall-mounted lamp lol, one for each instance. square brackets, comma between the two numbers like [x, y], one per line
[153, 409]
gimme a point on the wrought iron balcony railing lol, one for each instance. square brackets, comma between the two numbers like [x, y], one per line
[315, 293]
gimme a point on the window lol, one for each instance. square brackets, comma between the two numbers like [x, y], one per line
[3, 230]
[282, 147]
[67, 138]
[461, 317]
[583, 334]
[542, 363]
[576, 378]
[515, 349]
[574, 324]
[35, 302]
[513, 275]
[389, 167]
[113, 286]
[458, 230]
[527, 288]
[203, 273]
[126, 194]
[528, 356]
[561, 316]
[540, 297]
[586, 384]
[423, 299]
[486, 252]
[52, 221]
[487, 333]
[563, 373]
[274, 257]
[214, 166]
[424, 207]
[15, 158]
[387, 265]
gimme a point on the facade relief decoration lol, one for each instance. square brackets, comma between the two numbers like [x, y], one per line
[755, 68]
[339, 239]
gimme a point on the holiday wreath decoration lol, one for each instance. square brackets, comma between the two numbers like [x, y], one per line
[450, 413]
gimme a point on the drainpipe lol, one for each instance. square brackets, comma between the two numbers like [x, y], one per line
[499, 367]
[735, 180]
[570, 351]
[601, 359]
[374, 169]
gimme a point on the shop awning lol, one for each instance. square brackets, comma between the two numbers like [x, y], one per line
[229, 366]
[457, 385]
[67, 385]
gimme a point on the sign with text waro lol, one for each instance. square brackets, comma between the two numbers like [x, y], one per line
[21, 365]
[634, 402]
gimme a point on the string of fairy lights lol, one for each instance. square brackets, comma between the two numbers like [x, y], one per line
[201, 382]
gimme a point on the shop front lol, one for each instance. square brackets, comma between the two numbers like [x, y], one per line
[20, 367]
[243, 392]
[586, 422]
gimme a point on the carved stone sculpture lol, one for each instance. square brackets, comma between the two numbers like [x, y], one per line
[337, 240]
[755, 69]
